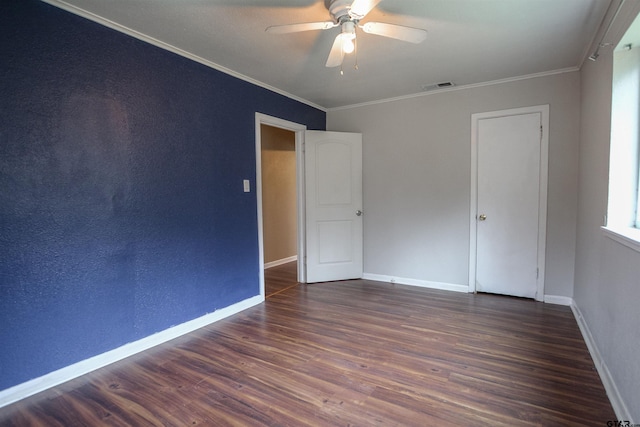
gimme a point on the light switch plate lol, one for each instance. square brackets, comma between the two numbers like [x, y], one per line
[247, 186]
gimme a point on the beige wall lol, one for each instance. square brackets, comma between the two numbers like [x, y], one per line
[278, 193]
[416, 177]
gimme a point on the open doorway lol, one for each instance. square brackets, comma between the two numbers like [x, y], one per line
[280, 198]
[279, 208]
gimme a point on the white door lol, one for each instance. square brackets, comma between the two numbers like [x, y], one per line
[508, 213]
[333, 175]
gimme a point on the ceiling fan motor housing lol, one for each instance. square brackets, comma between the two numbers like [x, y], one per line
[339, 10]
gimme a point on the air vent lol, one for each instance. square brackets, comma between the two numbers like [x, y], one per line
[436, 86]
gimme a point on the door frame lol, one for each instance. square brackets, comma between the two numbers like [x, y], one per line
[543, 110]
[298, 129]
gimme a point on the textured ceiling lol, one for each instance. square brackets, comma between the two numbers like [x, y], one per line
[468, 42]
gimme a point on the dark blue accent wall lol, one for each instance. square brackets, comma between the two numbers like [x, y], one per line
[121, 204]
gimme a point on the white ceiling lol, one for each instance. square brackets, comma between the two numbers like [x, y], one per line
[469, 41]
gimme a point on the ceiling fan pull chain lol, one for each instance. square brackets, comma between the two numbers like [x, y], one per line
[341, 62]
[355, 43]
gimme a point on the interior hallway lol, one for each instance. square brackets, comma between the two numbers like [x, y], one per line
[280, 278]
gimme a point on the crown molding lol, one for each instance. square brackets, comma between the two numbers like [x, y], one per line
[166, 46]
[457, 88]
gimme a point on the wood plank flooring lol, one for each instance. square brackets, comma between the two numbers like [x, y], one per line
[280, 278]
[357, 353]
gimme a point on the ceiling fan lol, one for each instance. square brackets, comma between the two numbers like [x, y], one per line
[347, 14]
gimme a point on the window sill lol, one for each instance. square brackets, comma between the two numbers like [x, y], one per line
[628, 236]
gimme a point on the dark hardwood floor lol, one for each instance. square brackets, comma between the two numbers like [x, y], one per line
[348, 353]
[280, 278]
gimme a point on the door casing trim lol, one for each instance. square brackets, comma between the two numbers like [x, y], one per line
[298, 129]
[543, 110]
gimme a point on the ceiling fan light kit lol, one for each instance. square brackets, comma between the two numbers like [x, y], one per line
[347, 14]
[348, 36]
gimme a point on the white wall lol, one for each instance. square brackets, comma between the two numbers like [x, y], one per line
[607, 274]
[416, 177]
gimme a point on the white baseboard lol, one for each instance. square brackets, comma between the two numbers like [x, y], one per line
[280, 261]
[67, 373]
[619, 407]
[558, 299]
[416, 282]
[70, 372]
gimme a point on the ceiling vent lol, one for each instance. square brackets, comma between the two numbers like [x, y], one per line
[436, 86]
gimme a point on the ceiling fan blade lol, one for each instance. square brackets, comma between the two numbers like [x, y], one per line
[399, 32]
[336, 56]
[359, 8]
[296, 28]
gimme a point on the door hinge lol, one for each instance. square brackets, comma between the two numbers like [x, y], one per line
[537, 273]
[541, 132]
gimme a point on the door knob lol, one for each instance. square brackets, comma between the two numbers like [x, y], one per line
[482, 217]
[359, 212]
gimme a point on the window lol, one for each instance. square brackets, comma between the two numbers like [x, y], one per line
[623, 215]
